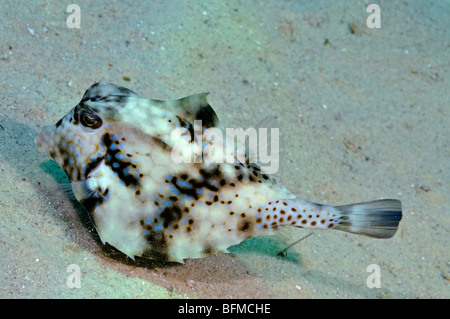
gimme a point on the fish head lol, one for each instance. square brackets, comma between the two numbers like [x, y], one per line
[75, 141]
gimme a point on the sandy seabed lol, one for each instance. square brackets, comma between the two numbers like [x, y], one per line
[363, 114]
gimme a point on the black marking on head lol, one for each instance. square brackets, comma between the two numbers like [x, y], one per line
[103, 98]
[107, 92]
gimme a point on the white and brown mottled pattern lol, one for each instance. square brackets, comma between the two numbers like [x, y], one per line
[115, 147]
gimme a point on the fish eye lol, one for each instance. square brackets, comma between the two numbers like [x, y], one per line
[90, 119]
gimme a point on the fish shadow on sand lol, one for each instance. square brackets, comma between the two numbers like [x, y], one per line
[266, 245]
[51, 168]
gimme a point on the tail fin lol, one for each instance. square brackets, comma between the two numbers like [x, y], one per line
[378, 219]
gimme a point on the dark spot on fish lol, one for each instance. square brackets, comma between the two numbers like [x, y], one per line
[187, 125]
[208, 250]
[91, 166]
[189, 191]
[170, 215]
[161, 144]
[159, 246]
[116, 165]
[245, 226]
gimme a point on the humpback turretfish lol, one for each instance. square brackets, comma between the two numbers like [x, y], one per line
[117, 149]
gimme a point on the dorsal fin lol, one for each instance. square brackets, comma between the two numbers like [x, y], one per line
[196, 107]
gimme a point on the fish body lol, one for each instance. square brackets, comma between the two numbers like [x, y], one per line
[117, 149]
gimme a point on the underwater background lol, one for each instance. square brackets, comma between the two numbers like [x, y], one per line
[364, 113]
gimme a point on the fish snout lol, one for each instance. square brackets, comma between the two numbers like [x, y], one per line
[45, 140]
